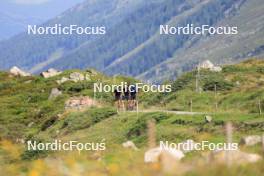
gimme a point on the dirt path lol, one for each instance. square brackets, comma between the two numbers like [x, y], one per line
[173, 112]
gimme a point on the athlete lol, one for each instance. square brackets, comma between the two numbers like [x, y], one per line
[126, 97]
[133, 97]
[118, 99]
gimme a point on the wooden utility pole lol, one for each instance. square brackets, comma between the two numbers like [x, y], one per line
[94, 98]
[263, 143]
[191, 105]
[137, 107]
[259, 107]
[197, 81]
[215, 96]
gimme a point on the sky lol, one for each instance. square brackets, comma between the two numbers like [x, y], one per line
[26, 2]
[43, 9]
[15, 15]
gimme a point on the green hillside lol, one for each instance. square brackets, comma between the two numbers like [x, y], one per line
[238, 88]
[27, 113]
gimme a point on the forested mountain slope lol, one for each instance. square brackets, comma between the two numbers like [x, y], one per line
[133, 45]
[220, 49]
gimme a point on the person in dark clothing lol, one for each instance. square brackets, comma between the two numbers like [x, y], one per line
[133, 97]
[125, 97]
[118, 98]
[126, 94]
[133, 93]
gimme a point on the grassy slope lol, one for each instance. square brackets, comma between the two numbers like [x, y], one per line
[26, 102]
[244, 80]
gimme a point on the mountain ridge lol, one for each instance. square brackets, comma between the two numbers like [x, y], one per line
[132, 45]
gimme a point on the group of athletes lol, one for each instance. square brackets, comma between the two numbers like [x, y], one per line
[126, 99]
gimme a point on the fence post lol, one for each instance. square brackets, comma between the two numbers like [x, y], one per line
[191, 105]
[259, 107]
[137, 108]
[151, 133]
[94, 98]
[263, 143]
[229, 135]
[215, 95]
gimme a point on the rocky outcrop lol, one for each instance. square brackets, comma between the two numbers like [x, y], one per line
[235, 157]
[76, 77]
[187, 146]
[18, 72]
[155, 154]
[55, 92]
[208, 119]
[251, 140]
[209, 65]
[130, 145]
[79, 103]
[62, 80]
[50, 73]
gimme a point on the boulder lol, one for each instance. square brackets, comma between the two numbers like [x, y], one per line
[208, 119]
[235, 157]
[30, 124]
[21, 141]
[209, 65]
[55, 92]
[18, 72]
[155, 154]
[216, 69]
[79, 103]
[76, 77]
[187, 146]
[62, 80]
[50, 73]
[28, 82]
[87, 77]
[250, 140]
[206, 65]
[130, 145]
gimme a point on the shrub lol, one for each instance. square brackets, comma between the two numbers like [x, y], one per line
[233, 68]
[182, 82]
[260, 70]
[221, 85]
[48, 123]
[77, 121]
[34, 154]
[139, 128]
[6, 85]
[76, 87]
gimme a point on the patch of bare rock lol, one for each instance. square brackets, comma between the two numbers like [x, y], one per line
[50, 73]
[80, 103]
[130, 145]
[234, 157]
[55, 92]
[75, 77]
[210, 66]
[251, 140]
[18, 72]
